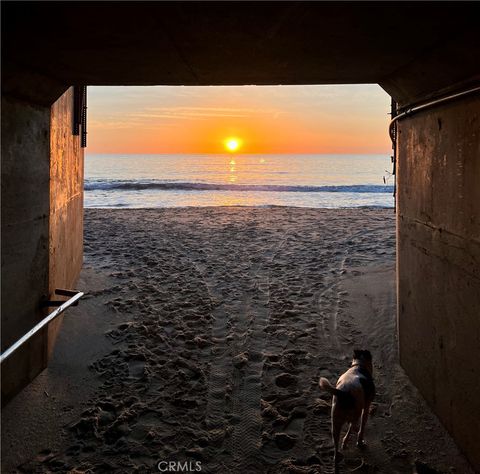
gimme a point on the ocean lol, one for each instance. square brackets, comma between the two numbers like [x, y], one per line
[317, 181]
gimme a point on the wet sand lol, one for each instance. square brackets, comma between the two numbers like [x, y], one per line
[202, 338]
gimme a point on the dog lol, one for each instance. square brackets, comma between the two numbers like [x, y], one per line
[352, 397]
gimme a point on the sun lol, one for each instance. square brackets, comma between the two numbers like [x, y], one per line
[233, 144]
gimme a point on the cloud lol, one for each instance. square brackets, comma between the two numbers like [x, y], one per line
[107, 123]
[195, 113]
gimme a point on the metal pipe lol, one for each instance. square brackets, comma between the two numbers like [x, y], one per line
[84, 118]
[393, 136]
[76, 296]
[427, 105]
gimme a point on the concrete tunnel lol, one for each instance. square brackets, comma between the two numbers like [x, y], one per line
[419, 53]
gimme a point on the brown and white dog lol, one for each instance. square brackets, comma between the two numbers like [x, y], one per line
[352, 397]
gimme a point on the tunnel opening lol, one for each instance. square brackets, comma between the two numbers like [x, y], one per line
[184, 134]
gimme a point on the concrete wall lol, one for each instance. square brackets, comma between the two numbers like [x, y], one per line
[66, 203]
[439, 263]
[25, 229]
[42, 170]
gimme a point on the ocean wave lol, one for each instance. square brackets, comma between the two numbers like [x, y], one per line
[113, 185]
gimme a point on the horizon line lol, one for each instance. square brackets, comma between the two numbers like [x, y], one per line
[238, 154]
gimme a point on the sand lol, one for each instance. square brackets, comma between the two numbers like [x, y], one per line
[202, 338]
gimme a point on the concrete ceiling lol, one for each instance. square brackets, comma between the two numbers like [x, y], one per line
[412, 49]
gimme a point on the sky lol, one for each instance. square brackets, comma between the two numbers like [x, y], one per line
[349, 119]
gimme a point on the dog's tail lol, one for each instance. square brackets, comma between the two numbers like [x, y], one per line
[326, 385]
[344, 398]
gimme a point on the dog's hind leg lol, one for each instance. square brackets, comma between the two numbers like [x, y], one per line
[345, 438]
[363, 422]
[336, 429]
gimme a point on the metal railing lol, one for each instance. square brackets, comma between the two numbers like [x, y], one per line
[62, 306]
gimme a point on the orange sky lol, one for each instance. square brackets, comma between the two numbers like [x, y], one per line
[268, 119]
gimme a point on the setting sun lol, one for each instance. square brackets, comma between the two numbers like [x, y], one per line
[232, 144]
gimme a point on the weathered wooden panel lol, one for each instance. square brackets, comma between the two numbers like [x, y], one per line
[66, 203]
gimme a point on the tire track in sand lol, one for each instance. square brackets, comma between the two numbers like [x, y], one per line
[221, 367]
[247, 394]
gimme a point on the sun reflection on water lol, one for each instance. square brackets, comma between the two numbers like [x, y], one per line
[233, 172]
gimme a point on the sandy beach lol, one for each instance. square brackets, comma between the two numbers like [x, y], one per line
[202, 337]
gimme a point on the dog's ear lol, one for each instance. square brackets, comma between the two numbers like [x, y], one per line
[367, 355]
[362, 354]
